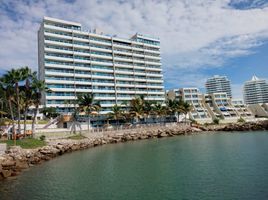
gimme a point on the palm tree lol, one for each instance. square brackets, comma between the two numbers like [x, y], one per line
[116, 114]
[13, 77]
[173, 107]
[137, 107]
[9, 95]
[148, 109]
[2, 100]
[27, 75]
[185, 108]
[87, 104]
[159, 110]
[38, 87]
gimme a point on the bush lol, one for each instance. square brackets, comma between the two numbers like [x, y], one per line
[216, 121]
[42, 137]
[241, 120]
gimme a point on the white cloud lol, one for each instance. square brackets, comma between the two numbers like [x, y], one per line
[194, 33]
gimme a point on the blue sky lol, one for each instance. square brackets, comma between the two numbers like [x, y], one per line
[199, 38]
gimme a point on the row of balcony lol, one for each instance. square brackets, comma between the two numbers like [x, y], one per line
[62, 41]
[83, 36]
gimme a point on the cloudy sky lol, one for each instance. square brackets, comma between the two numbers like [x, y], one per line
[199, 38]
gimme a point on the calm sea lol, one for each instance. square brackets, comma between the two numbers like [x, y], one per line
[210, 166]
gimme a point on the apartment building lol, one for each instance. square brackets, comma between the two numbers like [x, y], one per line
[241, 109]
[218, 84]
[195, 98]
[174, 94]
[255, 91]
[220, 106]
[73, 61]
[207, 107]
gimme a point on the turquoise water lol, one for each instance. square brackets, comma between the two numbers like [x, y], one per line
[221, 166]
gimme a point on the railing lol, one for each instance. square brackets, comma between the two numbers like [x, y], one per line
[139, 126]
[100, 132]
[52, 122]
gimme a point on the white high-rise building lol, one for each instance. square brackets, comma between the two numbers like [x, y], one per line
[218, 84]
[255, 91]
[73, 61]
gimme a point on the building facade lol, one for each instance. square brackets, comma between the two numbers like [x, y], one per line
[255, 91]
[218, 84]
[207, 107]
[73, 61]
[194, 97]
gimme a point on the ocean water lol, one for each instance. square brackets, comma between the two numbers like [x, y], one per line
[218, 166]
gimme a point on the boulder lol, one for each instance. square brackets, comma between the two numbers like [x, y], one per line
[8, 164]
[21, 164]
[6, 173]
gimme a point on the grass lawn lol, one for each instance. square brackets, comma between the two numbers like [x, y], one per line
[77, 137]
[28, 143]
[38, 121]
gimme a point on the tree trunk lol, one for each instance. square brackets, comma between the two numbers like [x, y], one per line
[88, 122]
[24, 124]
[34, 119]
[18, 105]
[12, 117]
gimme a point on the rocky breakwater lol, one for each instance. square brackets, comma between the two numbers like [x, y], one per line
[17, 159]
[247, 126]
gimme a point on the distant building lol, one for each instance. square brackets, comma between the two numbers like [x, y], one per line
[220, 106]
[207, 107]
[173, 94]
[193, 96]
[218, 84]
[255, 91]
[196, 99]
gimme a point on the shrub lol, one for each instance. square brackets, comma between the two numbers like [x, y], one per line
[42, 137]
[216, 121]
[241, 120]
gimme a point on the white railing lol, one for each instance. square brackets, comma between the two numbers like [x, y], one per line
[139, 127]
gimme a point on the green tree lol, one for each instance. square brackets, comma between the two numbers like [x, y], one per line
[50, 112]
[27, 75]
[38, 87]
[159, 110]
[8, 91]
[87, 104]
[185, 108]
[137, 108]
[116, 114]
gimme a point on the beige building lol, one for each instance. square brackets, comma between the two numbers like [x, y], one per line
[259, 110]
[208, 107]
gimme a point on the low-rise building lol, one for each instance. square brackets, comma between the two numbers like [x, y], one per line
[220, 106]
[242, 110]
[193, 96]
[259, 110]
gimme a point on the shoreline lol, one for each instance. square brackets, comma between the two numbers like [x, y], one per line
[16, 159]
